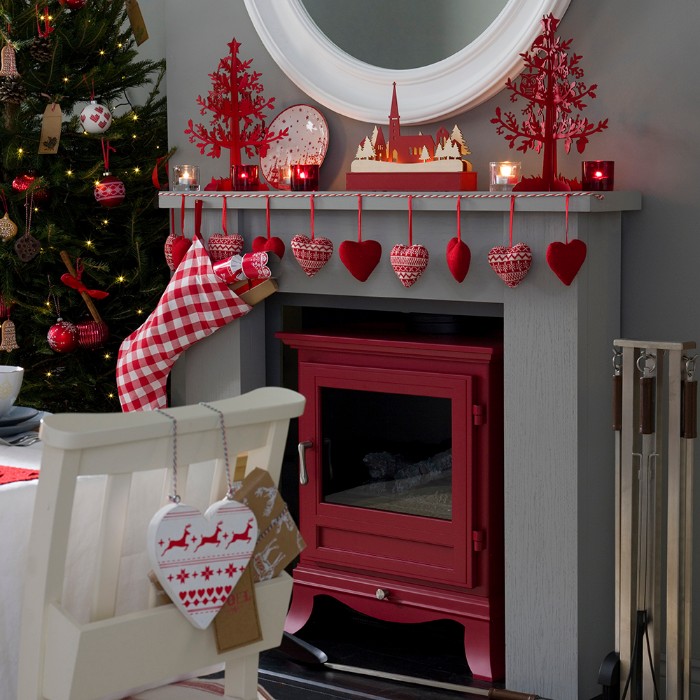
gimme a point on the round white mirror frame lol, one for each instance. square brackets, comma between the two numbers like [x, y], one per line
[362, 91]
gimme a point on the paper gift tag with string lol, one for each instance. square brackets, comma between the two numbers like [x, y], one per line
[50, 129]
[409, 262]
[199, 559]
[360, 257]
[311, 253]
[511, 264]
[565, 259]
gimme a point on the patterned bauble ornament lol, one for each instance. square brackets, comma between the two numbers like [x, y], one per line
[110, 191]
[73, 4]
[63, 336]
[92, 334]
[95, 118]
[8, 228]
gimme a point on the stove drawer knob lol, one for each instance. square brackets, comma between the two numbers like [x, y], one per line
[381, 594]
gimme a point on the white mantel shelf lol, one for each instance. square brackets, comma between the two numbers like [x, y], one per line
[558, 445]
[422, 201]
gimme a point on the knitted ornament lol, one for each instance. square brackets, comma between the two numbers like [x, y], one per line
[565, 259]
[311, 253]
[409, 261]
[511, 264]
[221, 245]
[360, 257]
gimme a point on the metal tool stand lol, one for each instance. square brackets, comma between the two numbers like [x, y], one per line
[655, 423]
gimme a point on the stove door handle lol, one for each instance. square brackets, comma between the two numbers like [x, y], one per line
[303, 473]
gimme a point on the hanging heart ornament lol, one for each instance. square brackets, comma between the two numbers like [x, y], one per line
[409, 262]
[273, 244]
[198, 559]
[565, 259]
[511, 264]
[360, 257]
[459, 258]
[222, 246]
[311, 253]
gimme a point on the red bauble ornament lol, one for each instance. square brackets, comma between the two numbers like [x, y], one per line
[63, 336]
[73, 4]
[110, 191]
[22, 181]
[92, 334]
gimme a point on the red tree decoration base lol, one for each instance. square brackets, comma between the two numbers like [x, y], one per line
[551, 83]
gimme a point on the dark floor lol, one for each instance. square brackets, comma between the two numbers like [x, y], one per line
[432, 653]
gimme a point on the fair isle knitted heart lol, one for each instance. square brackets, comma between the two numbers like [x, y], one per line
[222, 246]
[197, 558]
[263, 244]
[565, 259]
[311, 253]
[409, 262]
[175, 249]
[360, 257]
[511, 264]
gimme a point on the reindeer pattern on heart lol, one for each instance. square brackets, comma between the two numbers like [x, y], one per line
[198, 558]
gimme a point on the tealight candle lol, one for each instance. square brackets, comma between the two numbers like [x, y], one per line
[504, 175]
[244, 177]
[597, 175]
[186, 178]
[304, 177]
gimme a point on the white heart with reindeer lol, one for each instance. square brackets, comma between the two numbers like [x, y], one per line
[198, 559]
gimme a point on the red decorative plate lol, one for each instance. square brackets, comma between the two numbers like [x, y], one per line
[306, 142]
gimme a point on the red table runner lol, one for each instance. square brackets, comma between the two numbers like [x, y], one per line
[10, 474]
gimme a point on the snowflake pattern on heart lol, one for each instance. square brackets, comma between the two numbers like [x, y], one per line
[311, 253]
[198, 559]
[409, 262]
[511, 264]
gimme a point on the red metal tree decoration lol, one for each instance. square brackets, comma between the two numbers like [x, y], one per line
[238, 108]
[551, 82]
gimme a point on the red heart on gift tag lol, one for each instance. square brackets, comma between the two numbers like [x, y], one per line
[566, 259]
[222, 246]
[409, 262]
[458, 258]
[360, 257]
[311, 253]
[197, 558]
[262, 244]
[511, 264]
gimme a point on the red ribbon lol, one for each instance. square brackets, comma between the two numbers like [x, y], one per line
[47, 24]
[75, 282]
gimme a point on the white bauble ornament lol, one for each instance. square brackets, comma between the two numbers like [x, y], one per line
[95, 118]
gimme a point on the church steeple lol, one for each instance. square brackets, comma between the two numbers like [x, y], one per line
[394, 126]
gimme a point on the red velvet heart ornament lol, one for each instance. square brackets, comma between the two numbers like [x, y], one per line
[311, 253]
[360, 257]
[458, 258]
[181, 245]
[222, 246]
[566, 259]
[262, 244]
[511, 264]
[409, 262]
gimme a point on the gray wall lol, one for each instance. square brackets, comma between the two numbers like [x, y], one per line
[641, 53]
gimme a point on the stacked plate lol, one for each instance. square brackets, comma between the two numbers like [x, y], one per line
[20, 419]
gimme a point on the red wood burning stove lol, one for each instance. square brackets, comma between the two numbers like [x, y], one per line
[401, 473]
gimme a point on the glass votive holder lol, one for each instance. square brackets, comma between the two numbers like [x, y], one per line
[284, 177]
[304, 177]
[244, 177]
[597, 175]
[186, 178]
[504, 175]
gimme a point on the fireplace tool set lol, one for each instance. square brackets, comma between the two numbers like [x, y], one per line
[655, 424]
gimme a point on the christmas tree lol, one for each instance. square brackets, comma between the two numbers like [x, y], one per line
[76, 58]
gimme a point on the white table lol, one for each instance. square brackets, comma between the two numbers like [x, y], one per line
[16, 508]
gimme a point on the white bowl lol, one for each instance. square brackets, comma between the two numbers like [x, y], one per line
[10, 383]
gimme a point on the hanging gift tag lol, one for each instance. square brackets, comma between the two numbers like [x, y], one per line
[237, 623]
[138, 25]
[50, 129]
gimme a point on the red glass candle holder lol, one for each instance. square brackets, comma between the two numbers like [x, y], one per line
[304, 177]
[597, 175]
[244, 177]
